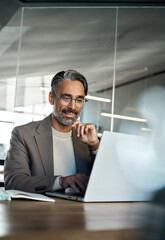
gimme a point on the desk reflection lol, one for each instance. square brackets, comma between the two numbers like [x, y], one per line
[69, 220]
[20, 216]
[118, 216]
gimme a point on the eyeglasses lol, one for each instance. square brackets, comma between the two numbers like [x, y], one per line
[67, 99]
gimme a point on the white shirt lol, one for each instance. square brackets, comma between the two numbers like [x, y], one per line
[63, 156]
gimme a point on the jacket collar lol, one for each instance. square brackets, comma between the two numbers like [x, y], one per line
[44, 142]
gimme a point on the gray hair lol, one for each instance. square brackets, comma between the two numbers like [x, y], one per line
[68, 75]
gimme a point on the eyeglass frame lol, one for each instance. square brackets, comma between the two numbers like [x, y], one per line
[71, 99]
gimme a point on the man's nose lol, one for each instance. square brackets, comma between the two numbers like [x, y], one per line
[72, 103]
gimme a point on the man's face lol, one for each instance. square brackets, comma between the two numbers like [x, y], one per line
[68, 113]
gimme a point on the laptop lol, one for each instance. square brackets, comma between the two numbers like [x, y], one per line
[116, 175]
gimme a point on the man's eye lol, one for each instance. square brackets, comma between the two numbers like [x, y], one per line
[79, 100]
[66, 98]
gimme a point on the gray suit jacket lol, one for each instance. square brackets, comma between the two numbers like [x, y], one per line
[29, 161]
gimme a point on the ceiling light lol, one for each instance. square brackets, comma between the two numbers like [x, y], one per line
[100, 99]
[146, 129]
[123, 117]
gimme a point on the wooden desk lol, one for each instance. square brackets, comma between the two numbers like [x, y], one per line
[69, 220]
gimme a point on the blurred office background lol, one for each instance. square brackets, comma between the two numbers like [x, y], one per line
[119, 48]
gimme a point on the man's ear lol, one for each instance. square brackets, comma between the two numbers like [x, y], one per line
[51, 100]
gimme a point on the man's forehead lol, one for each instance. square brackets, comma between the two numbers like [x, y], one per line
[70, 95]
[71, 87]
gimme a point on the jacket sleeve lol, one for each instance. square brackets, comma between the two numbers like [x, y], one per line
[17, 169]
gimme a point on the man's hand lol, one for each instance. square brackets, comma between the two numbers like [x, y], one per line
[86, 133]
[76, 182]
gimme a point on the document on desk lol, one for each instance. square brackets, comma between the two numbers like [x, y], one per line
[15, 194]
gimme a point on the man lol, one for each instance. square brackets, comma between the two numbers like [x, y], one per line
[57, 152]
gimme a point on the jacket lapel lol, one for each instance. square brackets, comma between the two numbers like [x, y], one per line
[44, 142]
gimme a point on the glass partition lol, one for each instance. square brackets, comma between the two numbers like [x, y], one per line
[139, 68]
[61, 39]
[9, 42]
[119, 50]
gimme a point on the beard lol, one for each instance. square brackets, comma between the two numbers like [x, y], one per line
[67, 121]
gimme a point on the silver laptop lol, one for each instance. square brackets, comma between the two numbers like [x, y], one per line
[116, 174]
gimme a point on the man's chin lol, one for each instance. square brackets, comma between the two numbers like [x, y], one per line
[68, 121]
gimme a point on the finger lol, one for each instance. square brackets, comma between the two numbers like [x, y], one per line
[85, 179]
[75, 188]
[75, 123]
[89, 127]
[86, 129]
[80, 184]
[70, 181]
[82, 132]
[76, 182]
[78, 129]
[82, 181]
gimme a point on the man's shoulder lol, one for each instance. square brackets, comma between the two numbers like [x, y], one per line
[32, 126]
[29, 125]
